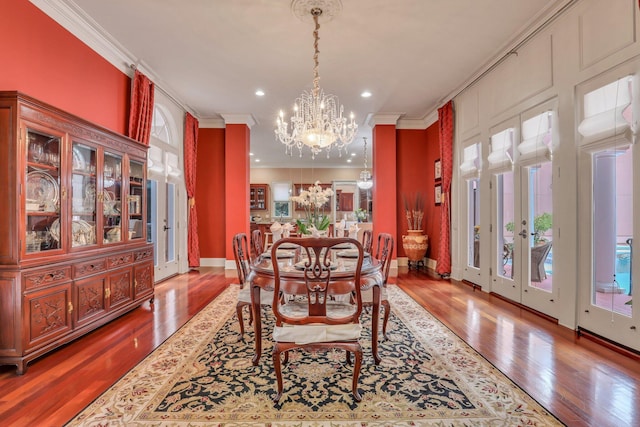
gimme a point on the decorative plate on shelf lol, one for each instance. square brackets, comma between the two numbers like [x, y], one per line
[42, 188]
[79, 163]
[54, 230]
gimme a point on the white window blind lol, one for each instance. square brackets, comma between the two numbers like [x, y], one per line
[537, 135]
[607, 110]
[173, 166]
[501, 154]
[470, 160]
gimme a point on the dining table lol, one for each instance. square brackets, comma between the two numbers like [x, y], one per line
[261, 277]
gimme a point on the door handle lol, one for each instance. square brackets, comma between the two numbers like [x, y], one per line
[166, 228]
[523, 234]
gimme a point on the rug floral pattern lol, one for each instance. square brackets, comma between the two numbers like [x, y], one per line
[203, 375]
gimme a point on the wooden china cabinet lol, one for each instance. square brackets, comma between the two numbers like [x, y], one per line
[258, 200]
[73, 251]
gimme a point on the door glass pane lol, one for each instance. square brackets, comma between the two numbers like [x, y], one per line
[170, 227]
[112, 198]
[42, 201]
[506, 226]
[152, 217]
[612, 229]
[83, 195]
[541, 216]
[473, 222]
[136, 182]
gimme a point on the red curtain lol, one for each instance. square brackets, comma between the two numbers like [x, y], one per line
[445, 123]
[190, 151]
[141, 111]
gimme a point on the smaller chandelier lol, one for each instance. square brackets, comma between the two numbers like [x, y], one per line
[317, 121]
[365, 182]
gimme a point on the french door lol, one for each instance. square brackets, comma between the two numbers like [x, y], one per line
[522, 243]
[608, 230]
[162, 226]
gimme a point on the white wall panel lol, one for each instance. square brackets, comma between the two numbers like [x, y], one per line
[521, 76]
[468, 109]
[605, 28]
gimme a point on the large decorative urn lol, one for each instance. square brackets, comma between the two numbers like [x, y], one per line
[415, 245]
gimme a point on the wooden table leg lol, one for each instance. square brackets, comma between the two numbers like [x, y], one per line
[257, 322]
[374, 324]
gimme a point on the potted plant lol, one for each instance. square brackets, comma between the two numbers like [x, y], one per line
[361, 215]
[313, 201]
[415, 243]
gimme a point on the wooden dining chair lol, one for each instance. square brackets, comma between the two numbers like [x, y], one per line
[257, 242]
[317, 321]
[243, 263]
[367, 240]
[383, 255]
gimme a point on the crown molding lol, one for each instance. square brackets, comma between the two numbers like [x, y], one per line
[212, 123]
[238, 119]
[383, 119]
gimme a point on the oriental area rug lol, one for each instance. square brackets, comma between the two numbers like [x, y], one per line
[203, 376]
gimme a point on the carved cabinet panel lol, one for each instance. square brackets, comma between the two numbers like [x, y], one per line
[120, 288]
[90, 299]
[143, 279]
[48, 313]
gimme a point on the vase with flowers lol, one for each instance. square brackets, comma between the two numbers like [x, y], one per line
[415, 243]
[313, 200]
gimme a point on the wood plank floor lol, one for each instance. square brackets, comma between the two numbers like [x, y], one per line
[581, 382]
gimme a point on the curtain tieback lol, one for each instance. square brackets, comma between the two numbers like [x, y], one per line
[192, 202]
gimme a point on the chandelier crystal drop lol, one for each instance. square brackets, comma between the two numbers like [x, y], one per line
[318, 120]
[365, 182]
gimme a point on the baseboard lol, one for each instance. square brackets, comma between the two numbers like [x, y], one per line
[618, 348]
[215, 262]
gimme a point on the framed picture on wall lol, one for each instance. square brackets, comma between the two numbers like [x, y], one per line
[438, 170]
[438, 194]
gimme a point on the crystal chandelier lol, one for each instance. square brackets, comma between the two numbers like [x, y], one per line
[365, 182]
[317, 121]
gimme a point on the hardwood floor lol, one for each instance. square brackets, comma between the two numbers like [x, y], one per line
[581, 382]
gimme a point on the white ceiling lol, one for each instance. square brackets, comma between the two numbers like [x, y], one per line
[212, 55]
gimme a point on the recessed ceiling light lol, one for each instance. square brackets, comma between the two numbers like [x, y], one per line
[348, 160]
[259, 92]
[257, 160]
[251, 154]
[365, 94]
[353, 154]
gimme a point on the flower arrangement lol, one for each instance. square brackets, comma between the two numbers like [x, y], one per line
[313, 201]
[414, 212]
[361, 214]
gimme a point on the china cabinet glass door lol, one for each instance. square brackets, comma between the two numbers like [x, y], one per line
[135, 198]
[112, 198]
[42, 195]
[83, 195]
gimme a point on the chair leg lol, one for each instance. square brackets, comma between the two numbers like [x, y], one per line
[250, 315]
[348, 358]
[239, 314]
[356, 375]
[387, 313]
[278, 369]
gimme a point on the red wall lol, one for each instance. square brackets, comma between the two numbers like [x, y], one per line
[210, 192]
[42, 59]
[417, 151]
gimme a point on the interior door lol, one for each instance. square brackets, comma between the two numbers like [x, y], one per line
[162, 225]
